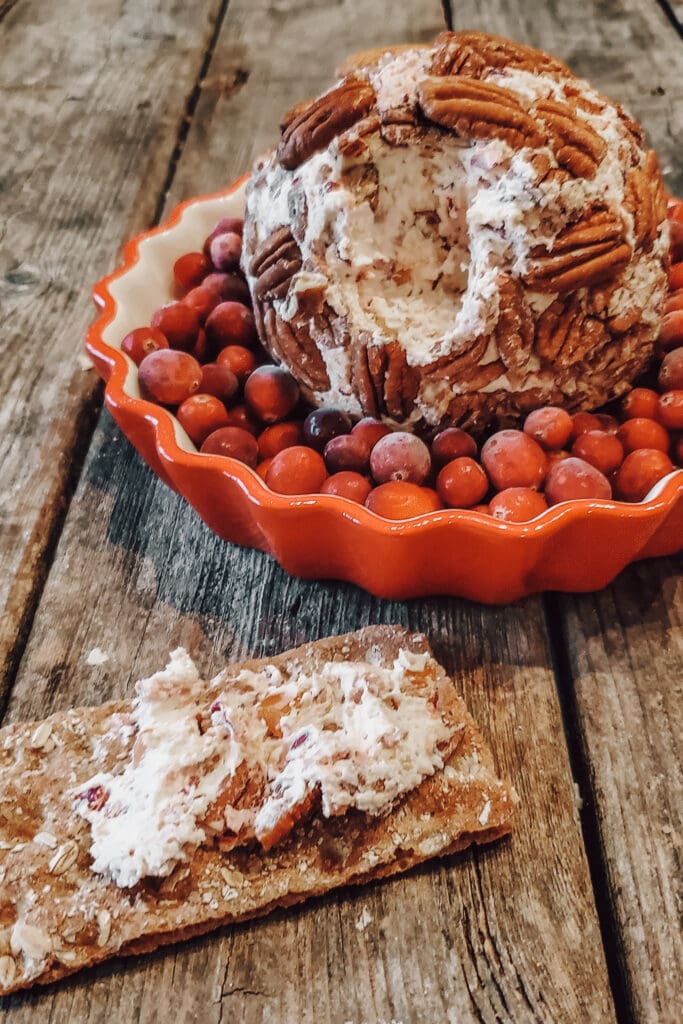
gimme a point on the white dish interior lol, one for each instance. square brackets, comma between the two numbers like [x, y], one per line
[148, 284]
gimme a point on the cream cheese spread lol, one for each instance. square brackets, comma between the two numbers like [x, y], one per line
[355, 734]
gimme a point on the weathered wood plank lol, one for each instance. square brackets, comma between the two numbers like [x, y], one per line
[506, 934]
[624, 645]
[625, 665]
[271, 56]
[627, 48]
[92, 101]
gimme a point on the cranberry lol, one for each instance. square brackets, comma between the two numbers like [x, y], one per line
[347, 452]
[400, 456]
[179, 324]
[191, 269]
[399, 499]
[350, 485]
[513, 459]
[233, 442]
[202, 300]
[228, 288]
[277, 437]
[671, 371]
[225, 226]
[200, 415]
[604, 451]
[225, 251]
[643, 433]
[271, 392]
[219, 381]
[297, 470]
[462, 483]
[140, 342]
[639, 472]
[370, 430]
[583, 421]
[321, 425]
[670, 409]
[640, 403]
[452, 443]
[230, 323]
[517, 505]
[169, 377]
[240, 360]
[574, 478]
[551, 427]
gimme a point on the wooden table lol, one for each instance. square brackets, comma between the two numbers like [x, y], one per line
[111, 113]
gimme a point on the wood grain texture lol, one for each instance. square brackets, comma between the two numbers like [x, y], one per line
[505, 934]
[623, 687]
[270, 56]
[92, 99]
[625, 665]
[508, 934]
[627, 48]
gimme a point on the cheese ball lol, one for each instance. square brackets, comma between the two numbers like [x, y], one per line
[456, 234]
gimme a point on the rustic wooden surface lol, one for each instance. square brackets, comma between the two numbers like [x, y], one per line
[507, 934]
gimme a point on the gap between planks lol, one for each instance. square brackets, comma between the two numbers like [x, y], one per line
[6, 7]
[191, 106]
[609, 926]
[674, 12]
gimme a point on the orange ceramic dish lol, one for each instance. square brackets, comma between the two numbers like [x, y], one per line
[574, 546]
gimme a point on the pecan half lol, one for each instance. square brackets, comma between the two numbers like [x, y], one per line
[546, 171]
[382, 379]
[478, 110]
[310, 127]
[576, 146]
[474, 53]
[553, 326]
[565, 335]
[361, 378]
[646, 200]
[291, 343]
[465, 370]
[352, 143]
[274, 264]
[589, 251]
[515, 329]
[400, 384]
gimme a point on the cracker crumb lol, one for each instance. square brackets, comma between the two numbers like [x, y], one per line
[45, 839]
[41, 735]
[84, 363]
[364, 920]
[97, 657]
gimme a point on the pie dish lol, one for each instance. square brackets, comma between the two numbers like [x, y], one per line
[455, 234]
[575, 546]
